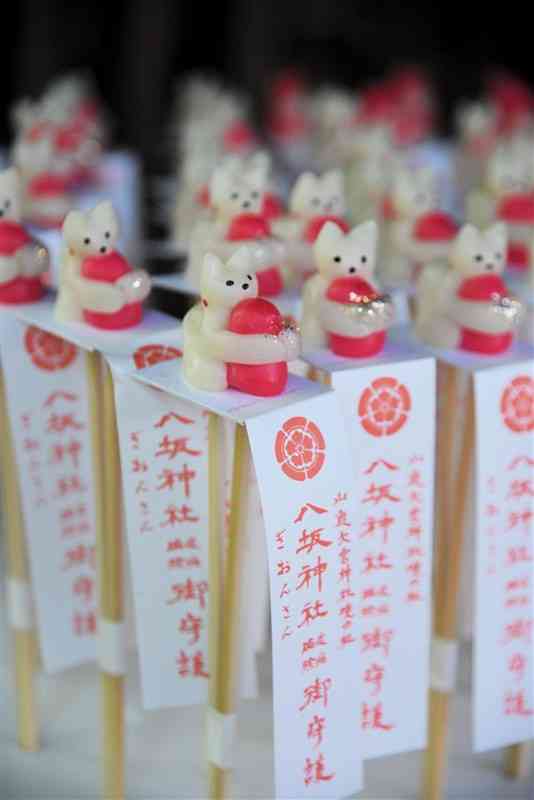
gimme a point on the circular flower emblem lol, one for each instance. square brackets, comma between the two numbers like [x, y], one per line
[300, 448]
[517, 404]
[48, 352]
[384, 406]
[150, 354]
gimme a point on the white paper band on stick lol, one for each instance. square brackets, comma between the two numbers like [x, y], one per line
[443, 664]
[19, 605]
[220, 737]
[112, 647]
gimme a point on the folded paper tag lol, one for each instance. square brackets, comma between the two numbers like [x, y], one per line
[19, 605]
[111, 647]
[220, 737]
[443, 664]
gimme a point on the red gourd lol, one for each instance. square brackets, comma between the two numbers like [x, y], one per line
[245, 228]
[483, 289]
[20, 290]
[253, 316]
[109, 268]
[347, 290]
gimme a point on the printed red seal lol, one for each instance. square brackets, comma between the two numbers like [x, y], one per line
[48, 352]
[300, 449]
[150, 354]
[517, 404]
[384, 406]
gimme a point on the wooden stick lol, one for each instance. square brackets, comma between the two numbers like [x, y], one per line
[107, 484]
[450, 532]
[517, 761]
[17, 570]
[215, 562]
[226, 676]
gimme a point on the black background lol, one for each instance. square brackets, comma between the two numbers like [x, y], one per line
[136, 49]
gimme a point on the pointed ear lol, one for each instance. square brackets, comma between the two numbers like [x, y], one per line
[305, 185]
[220, 183]
[240, 260]
[212, 266]
[333, 181]
[261, 159]
[329, 236]
[256, 176]
[466, 240]
[497, 235]
[366, 233]
[73, 227]
[104, 213]
[10, 178]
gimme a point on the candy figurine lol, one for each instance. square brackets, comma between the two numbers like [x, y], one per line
[23, 261]
[418, 232]
[314, 200]
[46, 198]
[237, 190]
[97, 284]
[468, 306]
[233, 338]
[526, 333]
[369, 172]
[508, 195]
[343, 308]
[477, 133]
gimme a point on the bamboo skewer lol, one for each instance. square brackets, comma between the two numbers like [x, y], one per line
[450, 533]
[517, 760]
[107, 484]
[225, 678]
[25, 646]
[215, 561]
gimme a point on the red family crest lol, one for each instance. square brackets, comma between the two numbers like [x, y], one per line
[517, 404]
[150, 354]
[300, 449]
[384, 406]
[48, 352]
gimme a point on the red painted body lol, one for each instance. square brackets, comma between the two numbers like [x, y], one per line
[345, 291]
[109, 268]
[253, 316]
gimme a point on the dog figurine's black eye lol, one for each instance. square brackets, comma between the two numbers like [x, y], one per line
[229, 283]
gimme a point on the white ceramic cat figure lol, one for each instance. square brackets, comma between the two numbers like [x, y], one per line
[369, 174]
[418, 232]
[192, 198]
[477, 131]
[332, 111]
[94, 235]
[350, 257]
[507, 195]
[22, 260]
[314, 200]
[46, 198]
[526, 333]
[208, 345]
[237, 190]
[468, 306]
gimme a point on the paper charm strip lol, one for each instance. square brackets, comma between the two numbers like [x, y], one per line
[305, 479]
[389, 411]
[47, 398]
[163, 445]
[503, 680]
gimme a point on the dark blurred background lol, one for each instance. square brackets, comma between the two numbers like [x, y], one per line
[136, 49]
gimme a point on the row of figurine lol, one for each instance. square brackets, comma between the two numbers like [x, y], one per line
[58, 142]
[235, 337]
[320, 125]
[239, 205]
